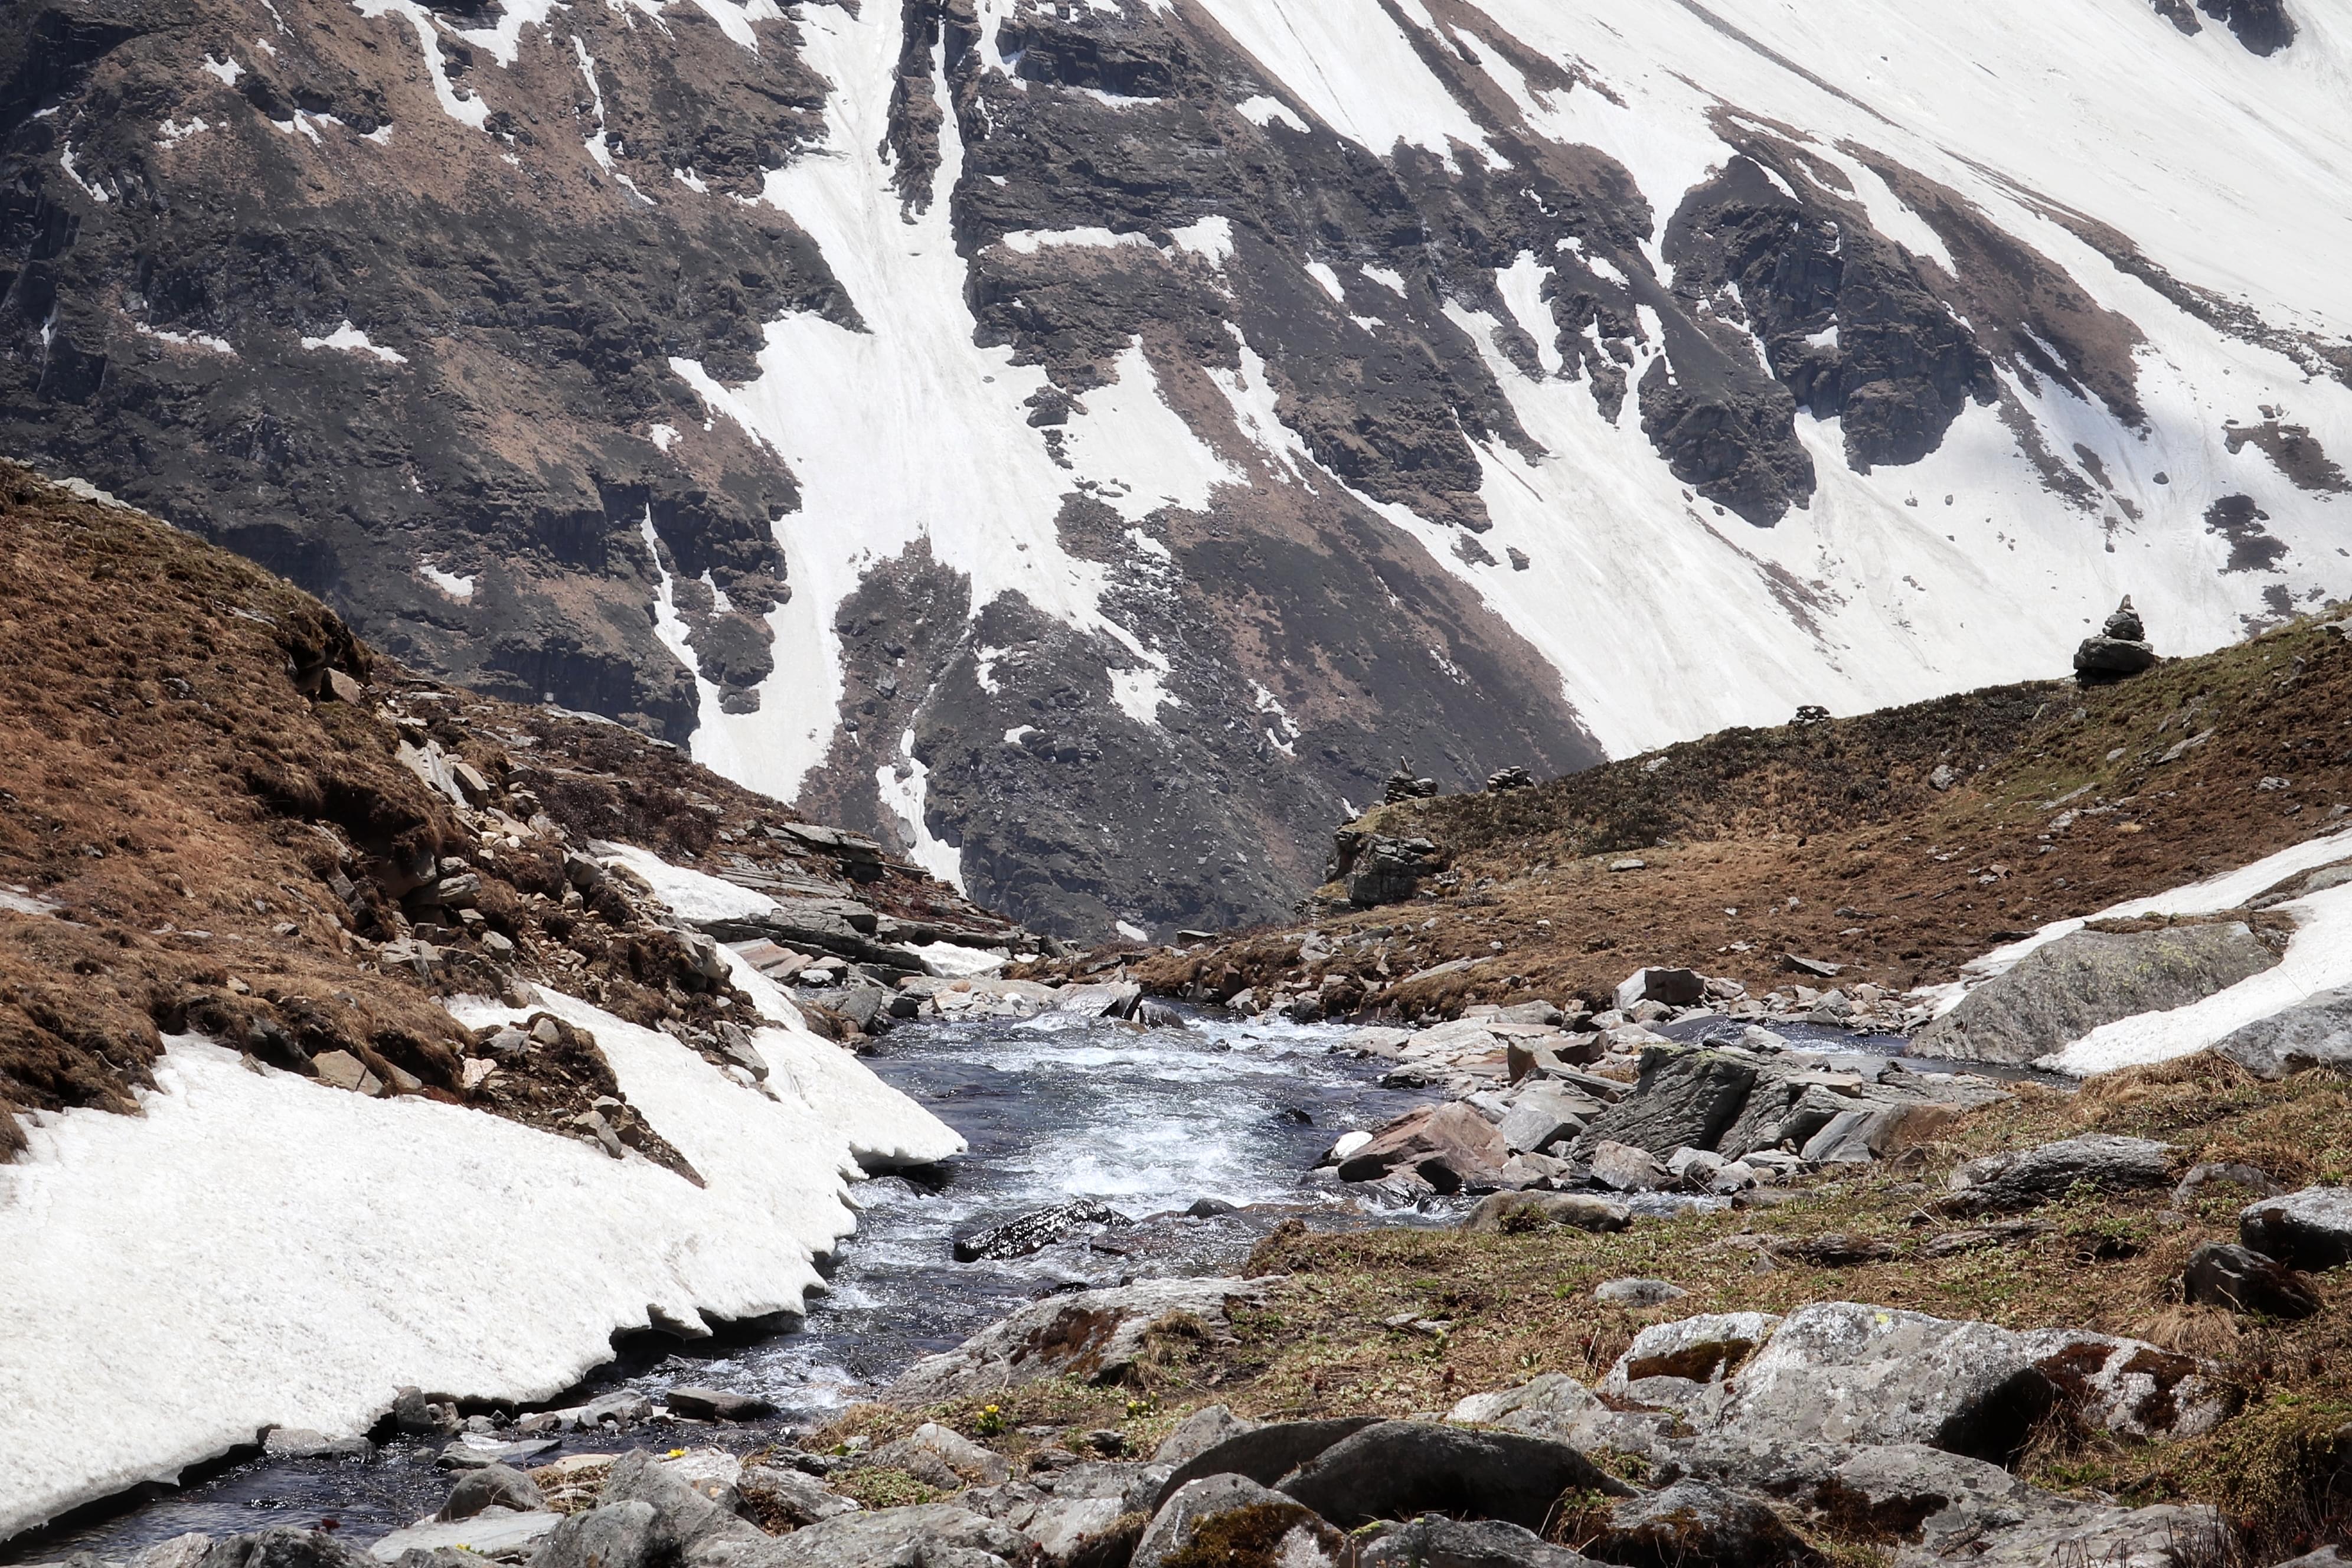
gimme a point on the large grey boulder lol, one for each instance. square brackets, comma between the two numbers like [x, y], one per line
[685, 1521]
[493, 1485]
[2064, 989]
[1687, 1366]
[1545, 1112]
[2021, 1178]
[1399, 1468]
[1844, 1372]
[1089, 1335]
[1548, 1405]
[2315, 1033]
[1066, 1529]
[1194, 1523]
[2162, 1537]
[615, 1535]
[1436, 1542]
[1683, 1098]
[1199, 1432]
[1263, 1454]
[2309, 1229]
[930, 1535]
[1670, 987]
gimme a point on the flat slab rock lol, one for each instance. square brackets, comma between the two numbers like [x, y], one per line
[1089, 1335]
[2021, 1178]
[495, 1532]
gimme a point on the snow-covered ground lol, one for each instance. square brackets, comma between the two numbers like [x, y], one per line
[2318, 958]
[259, 1249]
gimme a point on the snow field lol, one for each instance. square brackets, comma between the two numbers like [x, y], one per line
[259, 1249]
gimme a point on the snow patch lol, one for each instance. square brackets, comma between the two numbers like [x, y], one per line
[1263, 110]
[945, 958]
[66, 161]
[349, 339]
[226, 71]
[692, 895]
[467, 110]
[904, 786]
[186, 340]
[449, 583]
[662, 436]
[152, 1326]
[1322, 273]
[172, 132]
[1140, 693]
[1131, 931]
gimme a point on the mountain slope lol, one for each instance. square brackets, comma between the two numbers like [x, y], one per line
[1898, 846]
[1085, 445]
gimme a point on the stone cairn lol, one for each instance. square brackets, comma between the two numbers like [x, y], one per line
[2120, 651]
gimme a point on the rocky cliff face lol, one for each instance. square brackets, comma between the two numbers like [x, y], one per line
[1084, 445]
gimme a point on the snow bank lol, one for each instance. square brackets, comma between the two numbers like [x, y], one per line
[692, 895]
[2318, 958]
[259, 1250]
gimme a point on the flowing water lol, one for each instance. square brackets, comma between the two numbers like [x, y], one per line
[1055, 1108]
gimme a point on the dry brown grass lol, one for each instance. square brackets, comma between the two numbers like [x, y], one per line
[1828, 839]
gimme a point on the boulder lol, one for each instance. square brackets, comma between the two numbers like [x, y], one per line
[1389, 870]
[941, 1458]
[2064, 989]
[714, 1404]
[1550, 1405]
[2245, 1280]
[1435, 1541]
[2223, 1173]
[686, 1520]
[1395, 1469]
[614, 1535]
[1911, 1492]
[1687, 1366]
[493, 1485]
[1680, 1098]
[1263, 1454]
[1450, 1147]
[2315, 1033]
[1544, 1113]
[472, 1453]
[1068, 1531]
[1697, 1524]
[929, 1535]
[1199, 1432]
[1035, 1231]
[1841, 1372]
[1512, 1213]
[2310, 1230]
[1670, 987]
[1624, 1168]
[780, 1497]
[1092, 1335]
[2022, 1178]
[1234, 1519]
[1117, 999]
